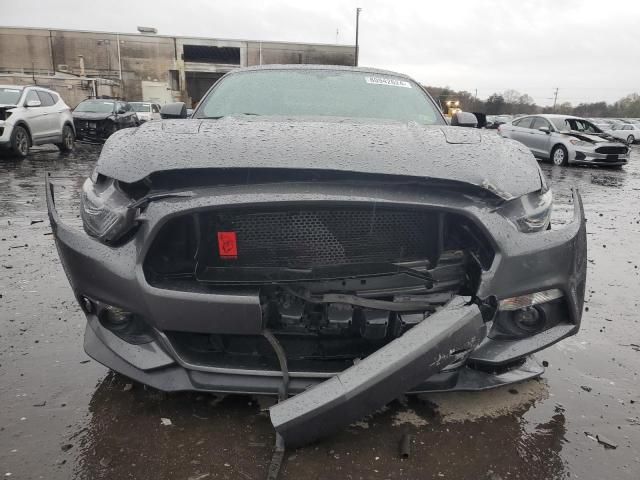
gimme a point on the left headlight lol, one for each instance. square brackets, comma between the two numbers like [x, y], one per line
[106, 210]
[531, 212]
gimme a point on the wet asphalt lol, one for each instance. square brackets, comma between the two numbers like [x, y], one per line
[64, 416]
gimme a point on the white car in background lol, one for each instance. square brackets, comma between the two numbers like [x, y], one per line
[146, 111]
[31, 115]
[629, 132]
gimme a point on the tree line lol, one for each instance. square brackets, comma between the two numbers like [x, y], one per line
[513, 102]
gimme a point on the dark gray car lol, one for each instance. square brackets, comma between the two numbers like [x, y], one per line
[320, 226]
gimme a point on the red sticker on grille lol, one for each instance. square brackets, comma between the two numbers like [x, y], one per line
[227, 245]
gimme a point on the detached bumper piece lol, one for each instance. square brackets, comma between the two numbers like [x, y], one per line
[395, 368]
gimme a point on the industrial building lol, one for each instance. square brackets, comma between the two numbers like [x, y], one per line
[150, 67]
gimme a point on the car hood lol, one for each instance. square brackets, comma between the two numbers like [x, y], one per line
[91, 115]
[592, 137]
[503, 167]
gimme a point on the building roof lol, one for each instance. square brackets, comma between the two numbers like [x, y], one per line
[152, 35]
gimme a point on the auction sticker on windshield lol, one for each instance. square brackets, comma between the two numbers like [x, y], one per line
[394, 82]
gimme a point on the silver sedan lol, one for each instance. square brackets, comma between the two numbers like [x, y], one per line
[565, 139]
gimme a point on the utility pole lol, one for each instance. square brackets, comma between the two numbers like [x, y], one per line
[555, 99]
[358, 10]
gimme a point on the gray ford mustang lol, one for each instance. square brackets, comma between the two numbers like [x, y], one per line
[320, 232]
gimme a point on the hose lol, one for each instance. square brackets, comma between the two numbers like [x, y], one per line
[283, 394]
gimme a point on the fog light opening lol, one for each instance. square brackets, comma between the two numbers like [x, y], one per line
[115, 318]
[530, 319]
[129, 326]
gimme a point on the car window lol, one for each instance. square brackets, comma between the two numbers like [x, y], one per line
[326, 93]
[155, 108]
[525, 122]
[540, 122]
[140, 107]
[95, 106]
[628, 127]
[45, 98]
[10, 96]
[31, 95]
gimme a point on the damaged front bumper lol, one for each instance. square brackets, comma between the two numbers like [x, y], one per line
[523, 264]
[93, 130]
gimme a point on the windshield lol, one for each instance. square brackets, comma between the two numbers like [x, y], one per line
[141, 107]
[319, 93]
[95, 106]
[574, 124]
[10, 96]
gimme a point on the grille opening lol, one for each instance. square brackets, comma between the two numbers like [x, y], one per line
[286, 250]
[304, 352]
[307, 243]
[612, 150]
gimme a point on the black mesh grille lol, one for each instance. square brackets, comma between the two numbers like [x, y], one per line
[612, 150]
[304, 238]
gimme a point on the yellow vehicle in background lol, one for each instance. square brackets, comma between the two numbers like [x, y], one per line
[453, 106]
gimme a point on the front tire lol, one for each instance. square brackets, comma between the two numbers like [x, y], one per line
[560, 156]
[631, 140]
[20, 142]
[68, 139]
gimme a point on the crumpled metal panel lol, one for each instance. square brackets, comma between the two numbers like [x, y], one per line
[388, 372]
[504, 167]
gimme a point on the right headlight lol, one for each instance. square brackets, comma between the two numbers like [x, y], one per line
[106, 210]
[531, 212]
[580, 143]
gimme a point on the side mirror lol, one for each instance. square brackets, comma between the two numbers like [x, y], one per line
[34, 103]
[545, 130]
[464, 119]
[174, 110]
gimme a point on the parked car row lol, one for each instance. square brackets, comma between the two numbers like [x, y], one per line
[629, 132]
[565, 139]
[32, 115]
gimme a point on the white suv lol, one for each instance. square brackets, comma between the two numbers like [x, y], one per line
[32, 115]
[146, 111]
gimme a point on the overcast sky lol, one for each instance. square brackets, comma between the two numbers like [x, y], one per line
[589, 49]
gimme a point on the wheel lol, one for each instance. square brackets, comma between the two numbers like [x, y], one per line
[630, 140]
[560, 156]
[68, 137]
[20, 142]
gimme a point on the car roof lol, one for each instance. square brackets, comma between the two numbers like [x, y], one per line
[22, 87]
[557, 115]
[306, 66]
